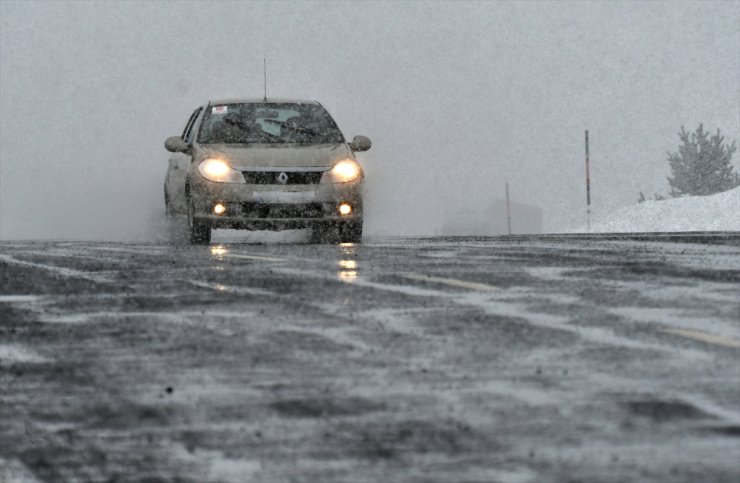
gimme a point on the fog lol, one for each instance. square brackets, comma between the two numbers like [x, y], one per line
[458, 98]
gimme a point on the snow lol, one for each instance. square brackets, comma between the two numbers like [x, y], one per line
[16, 472]
[15, 354]
[718, 212]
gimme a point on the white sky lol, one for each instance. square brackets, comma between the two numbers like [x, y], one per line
[457, 97]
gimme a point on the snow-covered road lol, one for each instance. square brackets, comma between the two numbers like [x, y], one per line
[396, 360]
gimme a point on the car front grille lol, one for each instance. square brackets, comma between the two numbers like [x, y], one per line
[282, 177]
[283, 210]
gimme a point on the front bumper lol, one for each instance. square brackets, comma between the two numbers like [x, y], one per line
[276, 207]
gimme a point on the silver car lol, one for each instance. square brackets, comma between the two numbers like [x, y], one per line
[266, 165]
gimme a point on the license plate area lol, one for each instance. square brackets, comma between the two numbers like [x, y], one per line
[284, 196]
[282, 210]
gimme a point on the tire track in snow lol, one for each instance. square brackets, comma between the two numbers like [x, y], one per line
[61, 271]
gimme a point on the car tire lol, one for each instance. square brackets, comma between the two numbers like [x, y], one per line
[200, 232]
[350, 232]
[169, 210]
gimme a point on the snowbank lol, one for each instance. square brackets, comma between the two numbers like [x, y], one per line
[720, 212]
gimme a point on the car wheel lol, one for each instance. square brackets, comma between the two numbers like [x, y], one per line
[166, 203]
[200, 232]
[350, 232]
[324, 233]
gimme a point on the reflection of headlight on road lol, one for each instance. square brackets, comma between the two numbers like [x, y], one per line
[345, 171]
[347, 276]
[348, 264]
[347, 270]
[218, 251]
[220, 171]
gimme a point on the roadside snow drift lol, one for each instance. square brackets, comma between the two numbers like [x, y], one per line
[719, 212]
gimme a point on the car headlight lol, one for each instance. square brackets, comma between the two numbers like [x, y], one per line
[220, 171]
[345, 171]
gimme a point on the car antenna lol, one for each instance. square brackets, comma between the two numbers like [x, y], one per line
[264, 70]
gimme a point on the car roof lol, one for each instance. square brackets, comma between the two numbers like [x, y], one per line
[262, 101]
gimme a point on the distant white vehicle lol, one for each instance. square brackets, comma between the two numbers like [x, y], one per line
[266, 165]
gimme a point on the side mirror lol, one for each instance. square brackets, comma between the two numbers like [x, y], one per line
[360, 143]
[175, 144]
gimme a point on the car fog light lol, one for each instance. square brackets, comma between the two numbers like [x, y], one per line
[345, 209]
[219, 209]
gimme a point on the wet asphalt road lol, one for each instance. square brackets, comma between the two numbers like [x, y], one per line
[408, 360]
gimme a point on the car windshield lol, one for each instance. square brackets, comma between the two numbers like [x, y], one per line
[268, 123]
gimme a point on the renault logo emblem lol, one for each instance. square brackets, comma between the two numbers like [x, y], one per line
[282, 178]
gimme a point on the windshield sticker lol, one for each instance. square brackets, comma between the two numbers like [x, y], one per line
[219, 110]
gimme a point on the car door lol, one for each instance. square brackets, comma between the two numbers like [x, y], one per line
[177, 171]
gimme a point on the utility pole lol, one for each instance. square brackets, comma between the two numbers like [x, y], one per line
[588, 189]
[508, 208]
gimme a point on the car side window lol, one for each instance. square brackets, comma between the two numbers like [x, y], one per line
[188, 131]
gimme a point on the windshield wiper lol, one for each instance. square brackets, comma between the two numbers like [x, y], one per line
[292, 126]
[255, 130]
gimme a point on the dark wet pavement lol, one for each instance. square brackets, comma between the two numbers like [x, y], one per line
[396, 360]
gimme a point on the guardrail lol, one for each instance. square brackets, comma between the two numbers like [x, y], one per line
[701, 237]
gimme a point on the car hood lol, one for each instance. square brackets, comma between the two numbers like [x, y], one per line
[277, 156]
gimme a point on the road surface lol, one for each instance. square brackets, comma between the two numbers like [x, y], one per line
[405, 360]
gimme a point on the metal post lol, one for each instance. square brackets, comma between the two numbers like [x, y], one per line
[508, 208]
[588, 188]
